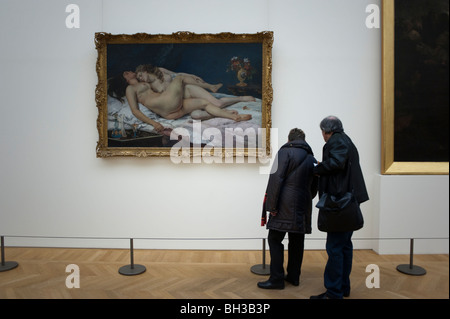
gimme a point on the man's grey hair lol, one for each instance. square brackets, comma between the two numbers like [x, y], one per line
[331, 124]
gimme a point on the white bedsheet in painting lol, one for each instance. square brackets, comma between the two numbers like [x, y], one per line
[117, 109]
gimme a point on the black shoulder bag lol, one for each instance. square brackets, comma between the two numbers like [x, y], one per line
[340, 214]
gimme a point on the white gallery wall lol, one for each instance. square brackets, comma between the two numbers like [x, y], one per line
[55, 192]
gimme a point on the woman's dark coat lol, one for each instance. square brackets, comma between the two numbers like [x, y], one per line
[291, 188]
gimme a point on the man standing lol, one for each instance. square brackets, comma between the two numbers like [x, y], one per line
[340, 172]
[289, 195]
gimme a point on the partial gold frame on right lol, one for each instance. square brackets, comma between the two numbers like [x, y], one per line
[388, 165]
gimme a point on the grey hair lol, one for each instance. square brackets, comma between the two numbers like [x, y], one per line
[331, 124]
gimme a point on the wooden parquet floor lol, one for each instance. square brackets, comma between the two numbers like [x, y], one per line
[181, 274]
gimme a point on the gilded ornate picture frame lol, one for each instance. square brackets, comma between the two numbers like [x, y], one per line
[414, 117]
[207, 93]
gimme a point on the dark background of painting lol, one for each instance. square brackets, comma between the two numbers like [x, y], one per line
[208, 61]
[421, 81]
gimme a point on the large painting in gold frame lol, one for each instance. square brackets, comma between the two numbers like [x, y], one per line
[389, 165]
[240, 64]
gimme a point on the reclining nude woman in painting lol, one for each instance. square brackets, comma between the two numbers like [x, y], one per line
[178, 99]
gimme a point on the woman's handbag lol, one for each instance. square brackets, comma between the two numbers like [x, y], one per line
[339, 214]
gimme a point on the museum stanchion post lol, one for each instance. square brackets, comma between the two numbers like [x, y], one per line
[6, 265]
[411, 269]
[261, 269]
[132, 269]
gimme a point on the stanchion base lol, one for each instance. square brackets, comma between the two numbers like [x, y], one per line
[129, 271]
[262, 270]
[8, 266]
[414, 271]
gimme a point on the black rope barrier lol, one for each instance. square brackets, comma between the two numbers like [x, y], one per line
[259, 269]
